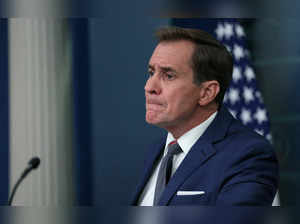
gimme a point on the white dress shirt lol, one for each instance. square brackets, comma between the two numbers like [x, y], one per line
[186, 142]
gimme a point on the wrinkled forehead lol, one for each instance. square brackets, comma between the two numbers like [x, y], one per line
[173, 53]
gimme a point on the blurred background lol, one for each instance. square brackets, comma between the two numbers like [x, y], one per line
[72, 93]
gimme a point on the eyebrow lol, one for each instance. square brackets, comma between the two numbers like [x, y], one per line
[164, 69]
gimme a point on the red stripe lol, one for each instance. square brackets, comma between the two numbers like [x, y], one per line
[173, 142]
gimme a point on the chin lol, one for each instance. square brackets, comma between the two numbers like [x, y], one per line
[151, 121]
[156, 120]
[157, 123]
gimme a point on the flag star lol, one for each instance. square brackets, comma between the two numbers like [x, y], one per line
[225, 97]
[238, 52]
[249, 73]
[239, 31]
[245, 116]
[258, 95]
[269, 138]
[233, 95]
[228, 30]
[233, 112]
[220, 31]
[259, 131]
[248, 94]
[260, 115]
[236, 74]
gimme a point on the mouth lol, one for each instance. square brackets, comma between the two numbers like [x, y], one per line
[154, 105]
[151, 100]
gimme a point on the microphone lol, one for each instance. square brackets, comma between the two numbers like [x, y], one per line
[32, 164]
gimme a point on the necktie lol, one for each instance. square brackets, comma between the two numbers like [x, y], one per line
[165, 170]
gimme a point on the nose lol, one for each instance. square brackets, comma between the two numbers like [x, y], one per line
[153, 85]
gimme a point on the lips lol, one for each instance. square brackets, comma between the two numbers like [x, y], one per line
[153, 107]
[153, 104]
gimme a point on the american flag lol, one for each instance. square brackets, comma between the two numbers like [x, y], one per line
[243, 99]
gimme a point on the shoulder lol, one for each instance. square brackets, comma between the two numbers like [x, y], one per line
[243, 147]
[240, 137]
[248, 161]
[233, 135]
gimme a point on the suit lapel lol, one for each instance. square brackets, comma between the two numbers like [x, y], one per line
[153, 155]
[199, 153]
[202, 151]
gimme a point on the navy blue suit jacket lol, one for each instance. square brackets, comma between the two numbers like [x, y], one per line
[232, 164]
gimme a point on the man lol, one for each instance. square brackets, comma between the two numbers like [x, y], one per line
[207, 157]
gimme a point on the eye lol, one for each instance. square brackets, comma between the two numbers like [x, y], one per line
[150, 73]
[169, 76]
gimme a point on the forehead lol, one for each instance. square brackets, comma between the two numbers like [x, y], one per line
[173, 53]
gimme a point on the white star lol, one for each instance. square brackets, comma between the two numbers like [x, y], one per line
[260, 115]
[225, 97]
[236, 74]
[249, 73]
[228, 30]
[220, 31]
[233, 95]
[233, 112]
[259, 131]
[239, 31]
[238, 52]
[248, 94]
[258, 95]
[269, 137]
[246, 116]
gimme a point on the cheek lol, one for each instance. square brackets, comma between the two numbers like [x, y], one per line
[175, 104]
[181, 103]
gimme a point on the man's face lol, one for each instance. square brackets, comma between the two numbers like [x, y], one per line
[171, 95]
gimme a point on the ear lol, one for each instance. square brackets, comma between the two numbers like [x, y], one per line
[208, 92]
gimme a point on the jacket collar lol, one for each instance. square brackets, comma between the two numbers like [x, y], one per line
[201, 151]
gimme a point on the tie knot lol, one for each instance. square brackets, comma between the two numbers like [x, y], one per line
[173, 148]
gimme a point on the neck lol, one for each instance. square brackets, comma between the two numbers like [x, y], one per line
[200, 115]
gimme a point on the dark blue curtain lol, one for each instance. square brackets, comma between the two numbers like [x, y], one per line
[82, 127]
[4, 142]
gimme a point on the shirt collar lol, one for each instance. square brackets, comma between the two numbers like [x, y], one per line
[187, 140]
